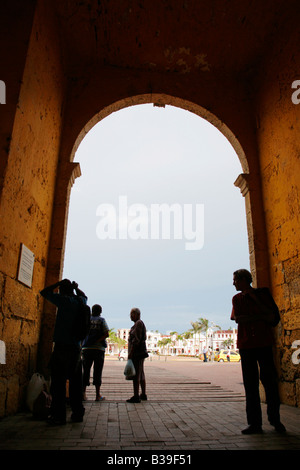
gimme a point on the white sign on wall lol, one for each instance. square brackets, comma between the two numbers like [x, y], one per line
[26, 266]
[2, 353]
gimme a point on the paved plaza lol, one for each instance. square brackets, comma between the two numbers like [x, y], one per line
[191, 406]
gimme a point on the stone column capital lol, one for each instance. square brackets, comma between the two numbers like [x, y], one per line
[69, 171]
[243, 182]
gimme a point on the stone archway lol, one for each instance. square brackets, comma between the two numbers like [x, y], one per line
[164, 100]
[67, 63]
[71, 170]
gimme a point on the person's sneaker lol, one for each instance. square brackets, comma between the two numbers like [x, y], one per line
[143, 396]
[99, 398]
[252, 430]
[134, 400]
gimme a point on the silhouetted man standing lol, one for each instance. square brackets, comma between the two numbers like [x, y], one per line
[65, 362]
[256, 313]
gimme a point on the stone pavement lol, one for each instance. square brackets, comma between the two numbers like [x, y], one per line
[183, 413]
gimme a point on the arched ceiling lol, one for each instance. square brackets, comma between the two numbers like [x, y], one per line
[183, 36]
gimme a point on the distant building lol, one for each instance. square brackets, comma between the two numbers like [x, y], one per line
[153, 338]
[151, 341]
[227, 336]
[123, 333]
[175, 344]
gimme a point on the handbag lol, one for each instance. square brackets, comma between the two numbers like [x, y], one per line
[129, 370]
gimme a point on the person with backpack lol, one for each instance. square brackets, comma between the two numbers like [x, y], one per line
[256, 313]
[93, 351]
[65, 361]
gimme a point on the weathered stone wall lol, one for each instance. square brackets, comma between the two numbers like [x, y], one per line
[278, 134]
[15, 31]
[26, 205]
[48, 115]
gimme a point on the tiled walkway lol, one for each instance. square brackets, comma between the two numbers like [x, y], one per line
[181, 414]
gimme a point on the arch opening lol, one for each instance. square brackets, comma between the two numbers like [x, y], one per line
[162, 100]
[128, 276]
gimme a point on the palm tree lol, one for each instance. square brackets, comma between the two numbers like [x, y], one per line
[227, 343]
[114, 339]
[184, 337]
[174, 341]
[187, 334]
[165, 342]
[202, 324]
[195, 330]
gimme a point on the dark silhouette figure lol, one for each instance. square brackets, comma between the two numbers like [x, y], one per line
[65, 362]
[93, 351]
[137, 351]
[256, 314]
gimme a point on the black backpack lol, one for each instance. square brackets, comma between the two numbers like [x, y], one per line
[83, 323]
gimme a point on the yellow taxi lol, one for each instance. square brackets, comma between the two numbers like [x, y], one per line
[227, 355]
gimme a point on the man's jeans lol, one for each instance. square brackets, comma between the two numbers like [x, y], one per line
[66, 365]
[258, 363]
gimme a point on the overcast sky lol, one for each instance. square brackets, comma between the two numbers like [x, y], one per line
[147, 155]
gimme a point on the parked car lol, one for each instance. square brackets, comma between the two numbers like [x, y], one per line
[123, 355]
[227, 355]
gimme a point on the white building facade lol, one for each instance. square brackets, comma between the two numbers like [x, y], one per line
[175, 344]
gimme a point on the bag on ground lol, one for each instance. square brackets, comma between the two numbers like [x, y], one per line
[36, 385]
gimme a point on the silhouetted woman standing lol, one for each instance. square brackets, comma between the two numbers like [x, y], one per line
[137, 351]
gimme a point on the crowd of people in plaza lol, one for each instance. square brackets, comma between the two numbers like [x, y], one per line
[254, 311]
